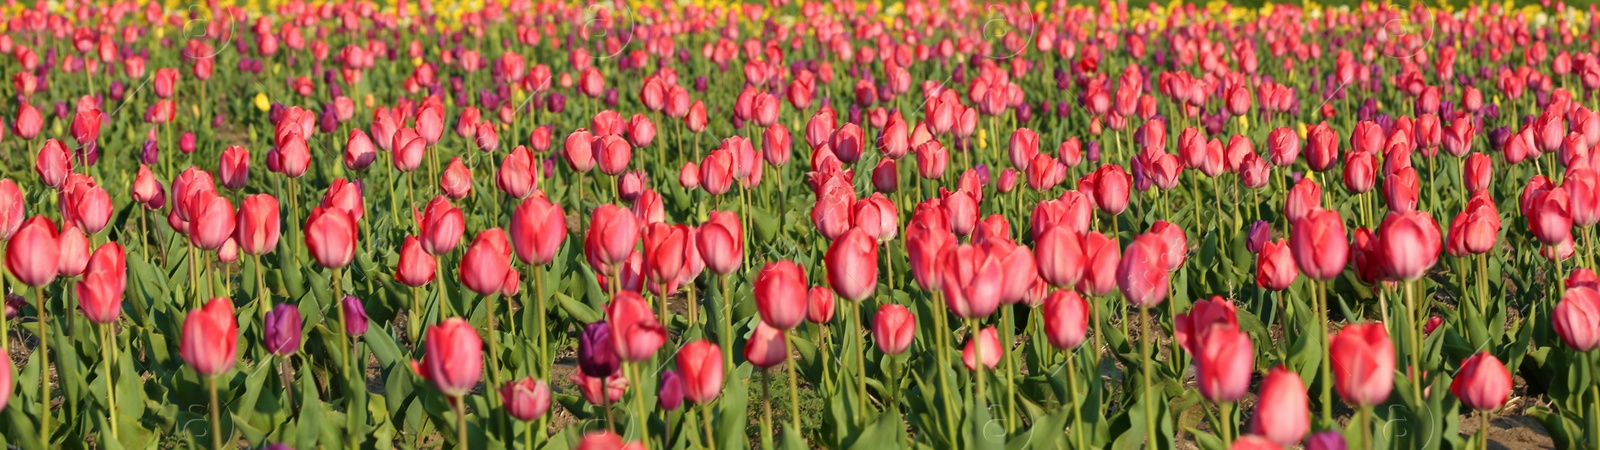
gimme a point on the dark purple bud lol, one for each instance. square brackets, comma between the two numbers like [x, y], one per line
[596, 355]
[700, 83]
[328, 121]
[281, 330]
[355, 316]
[1094, 151]
[14, 304]
[669, 393]
[558, 103]
[151, 154]
[611, 98]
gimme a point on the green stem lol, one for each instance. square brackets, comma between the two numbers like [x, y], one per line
[977, 359]
[261, 289]
[727, 327]
[44, 374]
[461, 422]
[216, 414]
[1225, 420]
[861, 360]
[794, 385]
[1077, 412]
[705, 415]
[108, 346]
[1416, 348]
[766, 408]
[344, 338]
[1326, 375]
[1366, 426]
[1144, 371]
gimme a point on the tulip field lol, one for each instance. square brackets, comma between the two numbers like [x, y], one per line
[710, 224]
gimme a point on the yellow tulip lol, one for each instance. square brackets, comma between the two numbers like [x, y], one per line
[262, 102]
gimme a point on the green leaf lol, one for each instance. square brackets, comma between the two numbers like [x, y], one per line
[731, 410]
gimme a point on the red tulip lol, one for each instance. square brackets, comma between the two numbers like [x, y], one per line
[1284, 146]
[73, 248]
[453, 358]
[852, 264]
[1177, 245]
[700, 365]
[344, 195]
[1319, 245]
[669, 253]
[210, 338]
[612, 153]
[1282, 415]
[85, 203]
[612, 234]
[635, 333]
[766, 347]
[1475, 230]
[716, 172]
[1275, 266]
[1142, 274]
[33, 253]
[1583, 193]
[1303, 197]
[1104, 258]
[780, 292]
[878, 217]
[833, 210]
[53, 163]
[487, 263]
[1363, 363]
[1214, 313]
[526, 399]
[1483, 383]
[973, 281]
[409, 148]
[1401, 190]
[721, 242]
[1366, 137]
[294, 156]
[537, 229]
[416, 267]
[932, 159]
[100, 291]
[1023, 147]
[1059, 256]
[986, 342]
[441, 225]
[1066, 319]
[1409, 243]
[515, 176]
[257, 231]
[234, 169]
[1576, 318]
[1225, 360]
[578, 150]
[430, 122]
[456, 182]
[1111, 185]
[696, 118]
[1361, 172]
[1016, 265]
[86, 126]
[331, 236]
[146, 188]
[28, 123]
[1323, 150]
[893, 328]
[211, 220]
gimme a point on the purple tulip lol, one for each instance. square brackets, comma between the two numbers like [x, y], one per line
[355, 320]
[281, 330]
[596, 355]
[669, 394]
